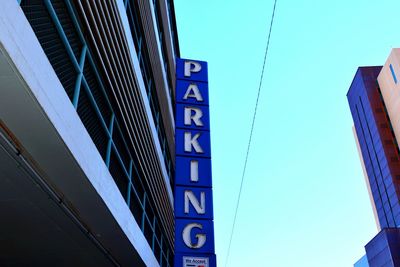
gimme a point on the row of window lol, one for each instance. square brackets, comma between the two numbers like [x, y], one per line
[156, 6]
[58, 30]
[145, 66]
[173, 33]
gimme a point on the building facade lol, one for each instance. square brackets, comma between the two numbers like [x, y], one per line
[87, 149]
[373, 102]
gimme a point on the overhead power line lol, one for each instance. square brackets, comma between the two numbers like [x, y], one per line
[251, 135]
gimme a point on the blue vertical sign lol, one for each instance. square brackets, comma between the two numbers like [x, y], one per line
[194, 226]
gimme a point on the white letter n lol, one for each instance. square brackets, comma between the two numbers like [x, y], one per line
[191, 198]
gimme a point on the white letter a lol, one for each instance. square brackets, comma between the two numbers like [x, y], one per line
[193, 92]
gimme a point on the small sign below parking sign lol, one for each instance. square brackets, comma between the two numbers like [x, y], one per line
[195, 262]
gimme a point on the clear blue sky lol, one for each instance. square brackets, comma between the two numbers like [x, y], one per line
[304, 202]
